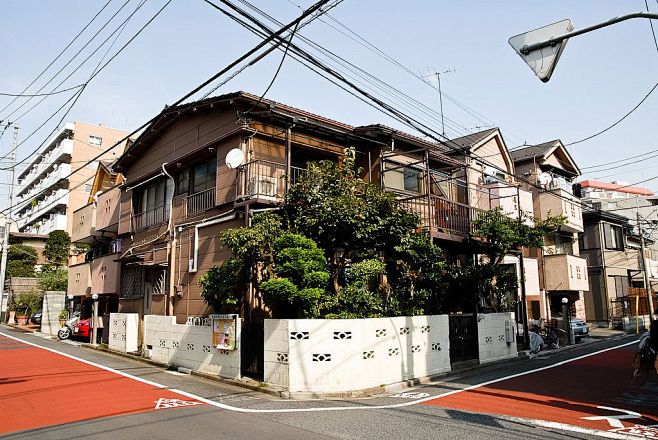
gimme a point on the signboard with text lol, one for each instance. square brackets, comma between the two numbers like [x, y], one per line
[224, 331]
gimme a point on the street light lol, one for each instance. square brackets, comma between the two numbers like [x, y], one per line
[566, 319]
[94, 332]
[70, 297]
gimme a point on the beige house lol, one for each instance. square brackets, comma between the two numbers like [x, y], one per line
[46, 195]
[563, 273]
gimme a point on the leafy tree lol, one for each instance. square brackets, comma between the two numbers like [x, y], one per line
[490, 279]
[21, 260]
[53, 278]
[57, 248]
[219, 286]
[27, 303]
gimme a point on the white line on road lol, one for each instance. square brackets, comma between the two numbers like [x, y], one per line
[317, 409]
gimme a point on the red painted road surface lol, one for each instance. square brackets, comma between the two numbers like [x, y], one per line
[570, 393]
[39, 388]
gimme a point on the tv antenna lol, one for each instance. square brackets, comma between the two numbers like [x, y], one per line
[436, 74]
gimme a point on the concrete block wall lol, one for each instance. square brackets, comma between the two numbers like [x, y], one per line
[124, 332]
[631, 323]
[53, 304]
[336, 355]
[189, 346]
[492, 342]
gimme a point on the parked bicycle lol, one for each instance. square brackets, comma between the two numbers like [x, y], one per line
[552, 337]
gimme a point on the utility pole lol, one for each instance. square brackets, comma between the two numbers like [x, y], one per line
[524, 302]
[645, 266]
[438, 78]
[5, 241]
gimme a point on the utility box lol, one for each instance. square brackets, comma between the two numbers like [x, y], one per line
[510, 331]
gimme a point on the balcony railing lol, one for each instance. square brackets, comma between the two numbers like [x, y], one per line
[438, 214]
[199, 202]
[151, 217]
[261, 179]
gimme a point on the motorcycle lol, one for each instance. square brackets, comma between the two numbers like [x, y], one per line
[67, 330]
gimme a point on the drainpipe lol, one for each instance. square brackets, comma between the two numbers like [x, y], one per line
[171, 249]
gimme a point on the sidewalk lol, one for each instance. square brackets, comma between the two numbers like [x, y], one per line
[604, 332]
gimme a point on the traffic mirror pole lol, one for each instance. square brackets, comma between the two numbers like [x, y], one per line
[552, 41]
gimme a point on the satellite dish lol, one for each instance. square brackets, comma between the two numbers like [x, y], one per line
[545, 178]
[234, 158]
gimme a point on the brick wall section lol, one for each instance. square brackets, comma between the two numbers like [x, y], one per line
[124, 332]
[53, 304]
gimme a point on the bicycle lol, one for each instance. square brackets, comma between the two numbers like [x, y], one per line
[552, 337]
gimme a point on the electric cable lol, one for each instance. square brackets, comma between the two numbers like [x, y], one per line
[312, 9]
[57, 92]
[70, 61]
[59, 54]
[95, 73]
[617, 122]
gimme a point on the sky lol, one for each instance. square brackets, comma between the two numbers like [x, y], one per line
[600, 77]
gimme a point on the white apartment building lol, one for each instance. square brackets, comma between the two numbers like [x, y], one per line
[46, 193]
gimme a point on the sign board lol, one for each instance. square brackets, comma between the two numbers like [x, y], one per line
[224, 331]
[542, 61]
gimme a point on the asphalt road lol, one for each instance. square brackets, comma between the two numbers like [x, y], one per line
[67, 392]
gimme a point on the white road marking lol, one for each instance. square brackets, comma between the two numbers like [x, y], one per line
[340, 408]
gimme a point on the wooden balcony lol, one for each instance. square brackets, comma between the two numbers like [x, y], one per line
[441, 216]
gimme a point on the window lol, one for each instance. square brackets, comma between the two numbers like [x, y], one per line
[563, 244]
[88, 188]
[203, 175]
[95, 140]
[150, 204]
[197, 178]
[614, 237]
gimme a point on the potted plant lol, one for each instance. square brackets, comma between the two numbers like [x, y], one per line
[63, 316]
[26, 304]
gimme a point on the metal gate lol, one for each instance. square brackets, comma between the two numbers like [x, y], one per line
[463, 338]
[252, 346]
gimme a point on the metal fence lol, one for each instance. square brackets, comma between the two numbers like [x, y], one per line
[437, 213]
[200, 202]
[151, 217]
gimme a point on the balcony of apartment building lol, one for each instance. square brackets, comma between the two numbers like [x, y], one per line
[105, 274]
[58, 153]
[266, 181]
[560, 201]
[84, 224]
[441, 204]
[107, 211]
[56, 200]
[54, 175]
[79, 279]
[46, 224]
[564, 271]
[513, 201]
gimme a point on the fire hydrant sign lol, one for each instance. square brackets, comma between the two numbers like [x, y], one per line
[224, 331]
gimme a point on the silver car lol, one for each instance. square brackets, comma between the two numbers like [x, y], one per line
[580, 328]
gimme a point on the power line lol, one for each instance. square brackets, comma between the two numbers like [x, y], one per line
[391, 111]
[56, 92]
[59, 54]
[69, 62]
[312, 9]
[95, 73]
[618, 121]
[618, 160]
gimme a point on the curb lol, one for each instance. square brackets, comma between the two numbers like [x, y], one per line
[255, 386]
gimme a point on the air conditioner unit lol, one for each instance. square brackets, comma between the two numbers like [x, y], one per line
[263, 187]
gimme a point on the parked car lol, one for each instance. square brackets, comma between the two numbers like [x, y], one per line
[580, 328]
[82, 329]
[36, 318]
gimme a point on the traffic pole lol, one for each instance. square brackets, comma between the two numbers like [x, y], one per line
[4, 297]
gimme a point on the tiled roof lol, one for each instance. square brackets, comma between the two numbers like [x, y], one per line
[532, 151]
[471, 139]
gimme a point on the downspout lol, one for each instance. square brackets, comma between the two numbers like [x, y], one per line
[171, 249]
